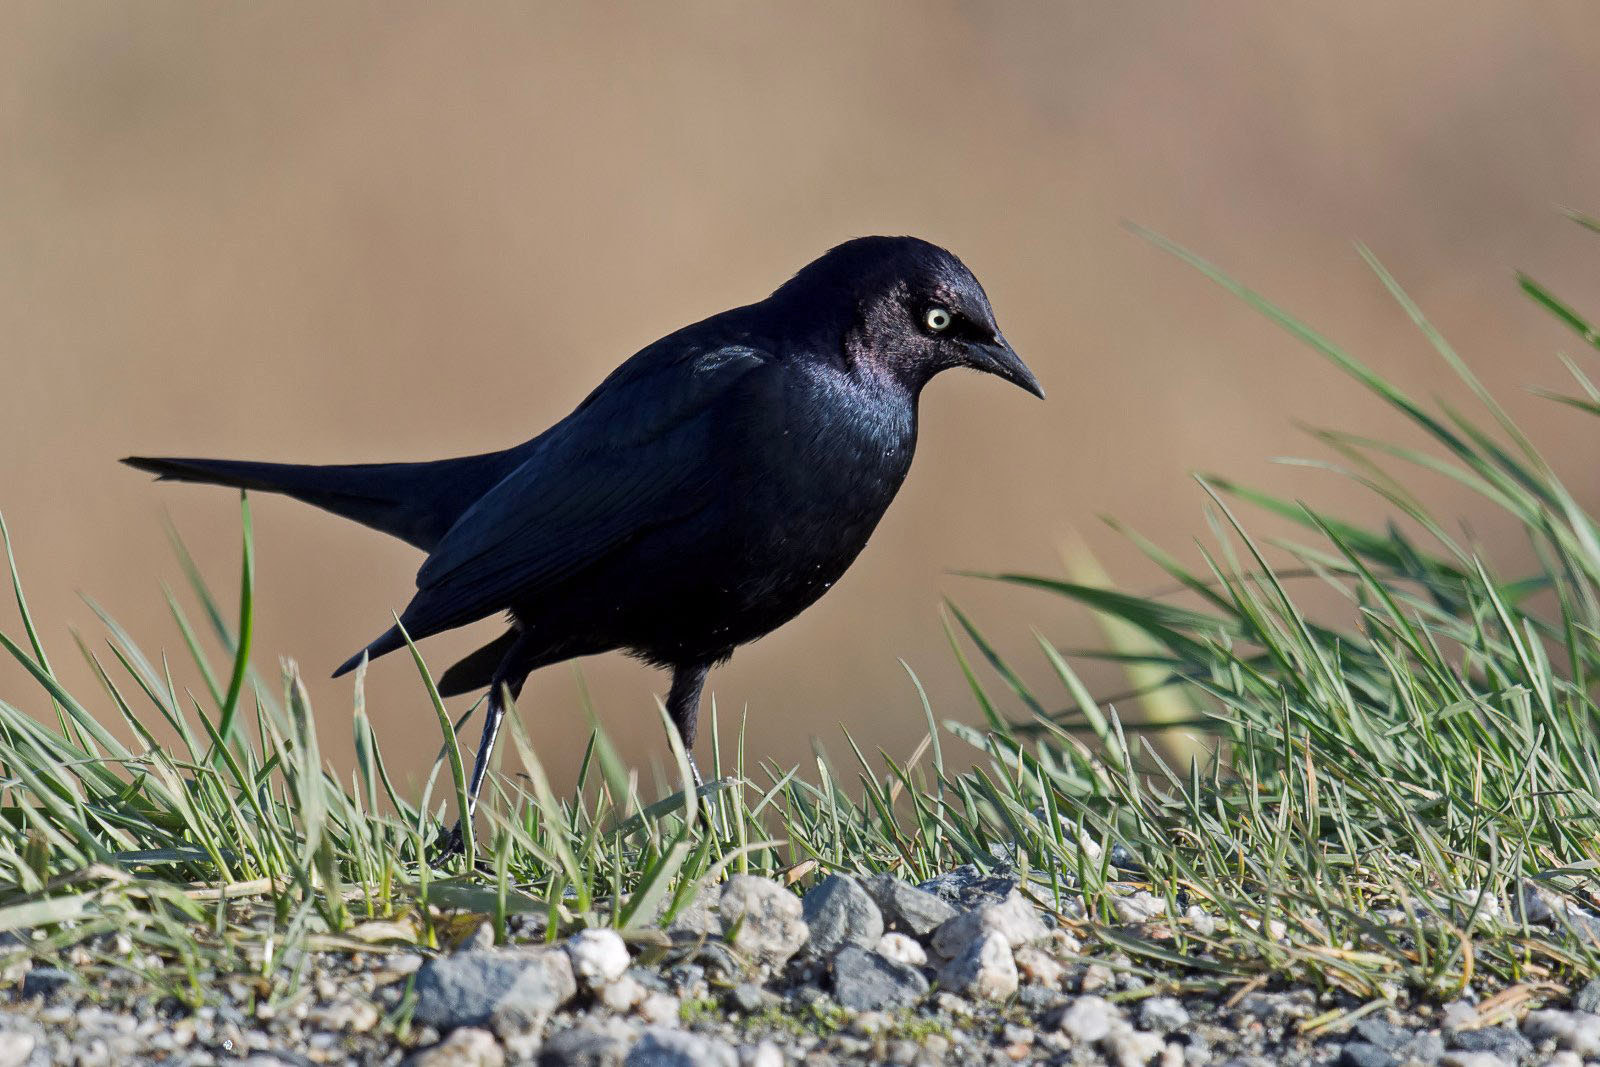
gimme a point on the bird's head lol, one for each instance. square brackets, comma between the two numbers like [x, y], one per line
[912, 309]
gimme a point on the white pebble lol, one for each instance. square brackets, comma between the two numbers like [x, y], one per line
[901, 949]
[1087, 1019]
[598, 956]
[1037, 966]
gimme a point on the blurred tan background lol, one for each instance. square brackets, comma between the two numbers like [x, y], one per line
[379, 231]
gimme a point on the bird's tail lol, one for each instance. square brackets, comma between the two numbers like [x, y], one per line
[474, 672]
[416, 502]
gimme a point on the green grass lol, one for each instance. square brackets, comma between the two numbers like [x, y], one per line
[1377, 785]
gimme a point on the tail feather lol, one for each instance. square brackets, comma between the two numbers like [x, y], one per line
[416, 502]
[385, 643]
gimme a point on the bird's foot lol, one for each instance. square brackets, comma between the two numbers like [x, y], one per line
[448, 844]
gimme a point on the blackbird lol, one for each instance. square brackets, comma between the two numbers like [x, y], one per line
[709, 490]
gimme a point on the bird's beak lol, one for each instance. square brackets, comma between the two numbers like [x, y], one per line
[1000, 359]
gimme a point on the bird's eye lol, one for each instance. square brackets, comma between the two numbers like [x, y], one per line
[938, 319]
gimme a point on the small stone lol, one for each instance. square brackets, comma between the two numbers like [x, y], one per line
[506, 985]
[1366, 1054]
[621, 996]
[1163, 1014]
[583, 1046]
[1038, 967]
[1139, 907]
[1088, 1019]
[598, 956]
[1564, 1058]
[1501, 1041]
[906, 908]
[770, 920]
[659, 1009]
[1588, 998]
[1457, 1015]
[1040, 999]
[1013, 917]
[701, 917]
[1576, 1030]
[465, 1047]
[480, 940]
[1473, 1059]
[661, 1047]
[866, 981]
[1127, 1047]
[765, 1054]
[901, 949]
[1381, 1032]
[1427, 1046]
[16, 1047]
[839, 912]
[984, 969]
[1200, 920]
[967, 888]
[1096, 976]
[45, 981]
[746, 997]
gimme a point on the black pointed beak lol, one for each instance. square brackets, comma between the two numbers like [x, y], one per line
[1000, 359]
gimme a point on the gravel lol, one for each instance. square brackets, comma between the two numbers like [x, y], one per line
[965, 972]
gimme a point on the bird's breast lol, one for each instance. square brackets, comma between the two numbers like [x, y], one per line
[811, 495]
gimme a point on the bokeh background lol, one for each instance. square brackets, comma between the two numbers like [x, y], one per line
[373, 231]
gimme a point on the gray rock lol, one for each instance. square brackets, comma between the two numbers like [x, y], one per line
[747, 997]
[1040, 998]
[838, 912]
[866, 981]
[985, 969]
[1163, 1014]
[908, 909]
[45, 981]
[1427, 1046]
[1588, 998]
[583, 1046]
[1576, 1030]
[1012, 917]
[661, 1047]
[1502, 1041]
[767, 920]
[1366, 1054]
[1380, 1032]
[966, 887]
[508, 986]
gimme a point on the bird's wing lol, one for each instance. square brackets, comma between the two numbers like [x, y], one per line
[638, 453]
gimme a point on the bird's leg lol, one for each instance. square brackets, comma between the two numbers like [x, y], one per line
[503, 688]
[683, 708]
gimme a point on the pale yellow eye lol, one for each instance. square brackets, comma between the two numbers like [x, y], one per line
[937, 319]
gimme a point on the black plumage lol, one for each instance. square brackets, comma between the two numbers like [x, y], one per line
[710, 489]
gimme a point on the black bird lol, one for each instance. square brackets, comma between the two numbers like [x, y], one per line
[712, 488]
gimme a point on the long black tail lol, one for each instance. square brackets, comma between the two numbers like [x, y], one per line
[416, 502]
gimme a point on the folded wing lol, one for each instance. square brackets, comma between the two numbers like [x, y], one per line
[639, 453]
